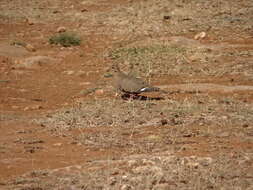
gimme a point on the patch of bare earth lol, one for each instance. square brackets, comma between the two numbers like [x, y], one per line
[62, 128]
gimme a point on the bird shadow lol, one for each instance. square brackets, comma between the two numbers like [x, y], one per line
[139, 97]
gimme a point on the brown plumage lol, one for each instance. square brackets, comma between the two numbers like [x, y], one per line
[129, 84]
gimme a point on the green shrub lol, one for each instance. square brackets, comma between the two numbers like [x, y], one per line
[65, 39]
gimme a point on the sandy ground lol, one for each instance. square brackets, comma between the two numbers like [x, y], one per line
[61, 126]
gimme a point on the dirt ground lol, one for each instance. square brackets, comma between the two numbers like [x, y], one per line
[61, 126]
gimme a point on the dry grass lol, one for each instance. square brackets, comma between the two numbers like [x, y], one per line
[189, 139]
[170, 59]
[224, 113]
[161, 171]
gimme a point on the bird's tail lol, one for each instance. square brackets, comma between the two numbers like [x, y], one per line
[153, 89]
[150, 89]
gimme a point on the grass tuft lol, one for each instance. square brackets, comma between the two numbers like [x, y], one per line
[65, 39]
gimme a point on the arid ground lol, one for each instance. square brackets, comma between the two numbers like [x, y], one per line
[63, 128]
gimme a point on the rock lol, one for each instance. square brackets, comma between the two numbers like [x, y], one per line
[30, 47]
[61, 29]
[193, 164]
[84, 10]
[200, 36]
[57, 144]
[36, 107]
[99, 92]
[166, 17]
[33, 62]
[205, 161]
[164, 121]
[30, 21]
[245, 125]
[132, 163]
[81, 73]
[56, 11]
[69, 72]
[126, 187]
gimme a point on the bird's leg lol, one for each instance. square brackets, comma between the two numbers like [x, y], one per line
[117, 94]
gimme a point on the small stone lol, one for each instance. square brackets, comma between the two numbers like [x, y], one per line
[200, 36]
[112, 181]
[164, 121]
[61, 29]
[23, 90]
[193, 164]
[30, 47]
[81, 73]
[206, 161]
[57, 144]
[132, 163]
[99, 92]
[84, 10]
[126, 187]
[36, 107]
[69, 72]
[166, 17]
[14, 107]
[197, 57]
[245, 125]
[56, 11]
[30, 22]
[224, 117]
[26, 108]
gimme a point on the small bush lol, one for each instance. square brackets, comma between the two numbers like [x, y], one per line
[65, 39]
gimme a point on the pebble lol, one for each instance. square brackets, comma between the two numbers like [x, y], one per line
[69, 72]
[36, 107]
[126, 187]
[30, 48]
[164, 121]
[200, 36]
[84, 10]
[61, 29]
[30, 22]
[57, 144]
[166, 17]
[99, 92]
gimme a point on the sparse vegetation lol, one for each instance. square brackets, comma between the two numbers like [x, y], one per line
[65, 39]
[158, 58]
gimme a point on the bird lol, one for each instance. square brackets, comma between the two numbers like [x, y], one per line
[128, 84]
